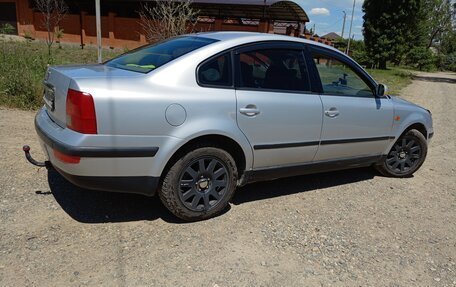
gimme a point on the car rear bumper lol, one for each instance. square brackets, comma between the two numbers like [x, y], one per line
[145, 185]
[101, 167]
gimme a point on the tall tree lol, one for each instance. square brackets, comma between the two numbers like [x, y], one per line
[440, 16]
[389, 28]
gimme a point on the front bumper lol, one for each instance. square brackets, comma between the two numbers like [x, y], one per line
[118, 169]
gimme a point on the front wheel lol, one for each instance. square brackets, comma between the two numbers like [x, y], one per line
[406, 156]
[200, 184]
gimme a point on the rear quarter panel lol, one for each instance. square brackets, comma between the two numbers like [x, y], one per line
[133, 109]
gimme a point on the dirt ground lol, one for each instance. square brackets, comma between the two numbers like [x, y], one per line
[348, 228]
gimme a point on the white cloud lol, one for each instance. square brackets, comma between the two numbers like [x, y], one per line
[320, 11]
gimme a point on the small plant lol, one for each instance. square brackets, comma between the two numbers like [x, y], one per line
[59, 36]
[7, 29]
[28, 35]
[166, 19]
[52, 11]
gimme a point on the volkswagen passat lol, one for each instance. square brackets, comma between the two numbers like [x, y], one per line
[196, 116]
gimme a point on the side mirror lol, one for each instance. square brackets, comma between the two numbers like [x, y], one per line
[382, 90]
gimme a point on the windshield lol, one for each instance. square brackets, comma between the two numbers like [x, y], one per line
[148, 58]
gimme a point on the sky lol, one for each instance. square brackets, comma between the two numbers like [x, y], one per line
[327, 16]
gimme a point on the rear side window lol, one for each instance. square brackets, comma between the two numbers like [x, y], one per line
[148, 58]
[274, 69]
[216, 72]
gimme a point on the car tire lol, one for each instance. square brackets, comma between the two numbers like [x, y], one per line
[200, 184]
[406, 156]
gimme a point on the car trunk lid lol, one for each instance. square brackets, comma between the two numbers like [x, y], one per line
[58, 80]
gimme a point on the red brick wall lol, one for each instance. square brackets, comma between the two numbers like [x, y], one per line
[116, 31]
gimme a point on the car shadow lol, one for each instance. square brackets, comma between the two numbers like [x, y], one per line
[434, 79]
[300, 184]
[91, 206]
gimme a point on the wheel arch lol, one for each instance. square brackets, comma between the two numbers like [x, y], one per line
[417, 125]
[212, 140]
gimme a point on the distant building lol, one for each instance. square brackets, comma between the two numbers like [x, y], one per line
[120, 20]
[332, 36]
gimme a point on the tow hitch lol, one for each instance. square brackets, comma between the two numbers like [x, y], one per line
[26, 149]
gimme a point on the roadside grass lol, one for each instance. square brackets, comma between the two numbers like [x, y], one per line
[23, 65]
[395, 78]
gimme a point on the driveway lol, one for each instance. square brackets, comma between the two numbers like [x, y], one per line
[348, 228]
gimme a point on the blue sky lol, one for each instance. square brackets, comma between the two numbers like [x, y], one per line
[327, 16]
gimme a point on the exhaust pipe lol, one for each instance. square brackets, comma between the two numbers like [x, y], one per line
[28, 156]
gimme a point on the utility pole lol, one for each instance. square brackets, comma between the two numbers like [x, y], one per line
[351, 26]
[98, 24]
[343, 26]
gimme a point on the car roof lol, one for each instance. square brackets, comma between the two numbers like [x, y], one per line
[251, 37]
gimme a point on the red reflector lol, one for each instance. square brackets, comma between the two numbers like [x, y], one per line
[66, 158]
[80, 111]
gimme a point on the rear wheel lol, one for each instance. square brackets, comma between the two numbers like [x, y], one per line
[200, 184]
[406, 156]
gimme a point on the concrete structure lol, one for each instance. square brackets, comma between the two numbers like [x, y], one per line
[120, 23]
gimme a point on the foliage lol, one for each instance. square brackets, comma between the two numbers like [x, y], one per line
[166, 19]
[389, 29]
[7, 28]
[438, 19]
[421, 58]
[59, 36]
[53, 12]
[23, 65]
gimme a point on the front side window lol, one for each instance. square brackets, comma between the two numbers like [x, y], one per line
[216, 72]
[338, 78]
[148, 58]
[273, 69]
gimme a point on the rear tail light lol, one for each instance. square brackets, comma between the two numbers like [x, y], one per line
[66, 158]
[80, 111]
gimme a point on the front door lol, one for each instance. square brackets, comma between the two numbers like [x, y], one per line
[276, 109]
[356, 123]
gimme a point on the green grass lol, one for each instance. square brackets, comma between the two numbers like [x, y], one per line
[23, 65]
[396, 79]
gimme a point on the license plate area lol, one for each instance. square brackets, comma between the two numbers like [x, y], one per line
[49, 96]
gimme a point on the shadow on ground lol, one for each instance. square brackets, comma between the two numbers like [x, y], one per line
[89, 206]
[434, 79]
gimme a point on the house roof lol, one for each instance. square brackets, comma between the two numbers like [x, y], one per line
[331, 36]
[254, 9]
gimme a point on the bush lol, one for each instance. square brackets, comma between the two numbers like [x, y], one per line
[449, 62]
[421, 58]
[7, 29]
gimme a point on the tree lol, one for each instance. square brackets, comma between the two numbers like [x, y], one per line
[390, 29]
[53, 12]
[440, 15]
[166, 19]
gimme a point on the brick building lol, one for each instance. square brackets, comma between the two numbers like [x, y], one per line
[120, 22]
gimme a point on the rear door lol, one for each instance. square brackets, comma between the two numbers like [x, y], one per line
[356, 123]
[276, 108]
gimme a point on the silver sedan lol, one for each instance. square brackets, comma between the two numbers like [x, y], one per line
[196, 116]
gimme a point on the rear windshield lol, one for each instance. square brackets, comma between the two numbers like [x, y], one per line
[148, 58]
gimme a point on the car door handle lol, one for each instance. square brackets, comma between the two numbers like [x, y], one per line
[250, 111]
[332, 113]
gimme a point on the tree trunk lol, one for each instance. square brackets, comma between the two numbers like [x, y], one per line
[382, 64]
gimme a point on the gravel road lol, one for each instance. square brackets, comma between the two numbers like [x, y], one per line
[349, 228]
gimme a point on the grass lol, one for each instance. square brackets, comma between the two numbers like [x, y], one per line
[23, 65]
[396, 79]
